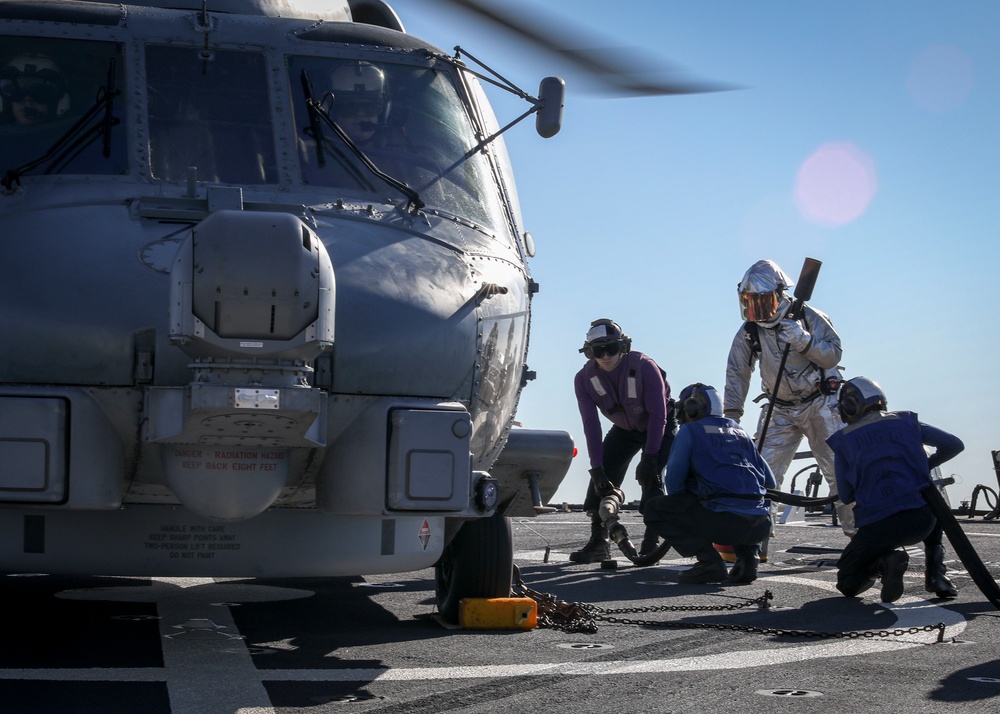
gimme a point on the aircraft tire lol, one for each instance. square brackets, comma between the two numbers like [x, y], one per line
[479, 562]
[963, 548]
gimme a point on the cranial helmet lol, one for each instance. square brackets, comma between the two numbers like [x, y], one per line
[357, 83]
[605, 337]
[37, 76]
[857, 397]
[762, 292]
[698, 401]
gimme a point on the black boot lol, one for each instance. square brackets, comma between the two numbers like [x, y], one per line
[710, 569]
[745, 568]
[890, 569]
[649, 541]
[598, 548]
[935, 579]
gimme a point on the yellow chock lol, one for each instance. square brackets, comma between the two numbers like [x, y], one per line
[729, 555]
[498, 613]
[726, 551]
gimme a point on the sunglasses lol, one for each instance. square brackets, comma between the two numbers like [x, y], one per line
[607, 349]
[353, 109]
[43, 91]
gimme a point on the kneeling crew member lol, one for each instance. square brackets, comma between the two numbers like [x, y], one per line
[882, 467]
[716, 484]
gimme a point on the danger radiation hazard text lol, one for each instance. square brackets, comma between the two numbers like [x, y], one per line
[232, 460]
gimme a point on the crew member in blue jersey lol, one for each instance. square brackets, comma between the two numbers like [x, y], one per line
[716, 487]
[881, 467]
[630, 390]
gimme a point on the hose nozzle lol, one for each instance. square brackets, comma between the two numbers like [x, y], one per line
[608, 511]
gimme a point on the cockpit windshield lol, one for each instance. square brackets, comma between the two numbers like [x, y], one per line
[211, 112]
[61, 107]
[409, 121]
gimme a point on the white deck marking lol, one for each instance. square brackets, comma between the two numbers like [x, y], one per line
[207, 673]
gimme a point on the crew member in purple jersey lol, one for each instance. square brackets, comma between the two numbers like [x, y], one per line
[631, 391]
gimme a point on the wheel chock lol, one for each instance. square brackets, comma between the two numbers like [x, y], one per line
[498, 613]
[726, 551]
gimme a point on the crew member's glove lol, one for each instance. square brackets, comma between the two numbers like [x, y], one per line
[603, 486]
[600, 481]
[793, 333]
[733, 414]
[646, 472]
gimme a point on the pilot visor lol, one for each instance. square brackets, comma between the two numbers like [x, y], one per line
[356, 108]
[759, 307]
[42, 90]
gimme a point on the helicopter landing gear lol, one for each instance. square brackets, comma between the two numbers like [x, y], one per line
[479, 562]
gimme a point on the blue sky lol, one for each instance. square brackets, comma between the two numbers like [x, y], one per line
[864, 135]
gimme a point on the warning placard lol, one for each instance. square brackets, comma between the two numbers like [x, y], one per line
[424, 534]
[189, 541]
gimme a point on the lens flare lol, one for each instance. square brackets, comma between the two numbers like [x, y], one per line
[835, 184]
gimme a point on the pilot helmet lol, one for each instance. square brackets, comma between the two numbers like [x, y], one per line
[762, 292]
[358, 87]
[37, 76]
[857, 397]
[605, 339]
[697, 401]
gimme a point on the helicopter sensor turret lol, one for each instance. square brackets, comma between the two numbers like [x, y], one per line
[252, 285]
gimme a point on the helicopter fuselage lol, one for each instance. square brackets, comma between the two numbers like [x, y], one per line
[237, 340]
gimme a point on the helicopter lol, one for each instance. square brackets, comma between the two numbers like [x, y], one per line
[266, 297]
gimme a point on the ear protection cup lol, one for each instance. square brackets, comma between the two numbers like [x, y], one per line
[848, 406]
[857, 397]
[693, 403]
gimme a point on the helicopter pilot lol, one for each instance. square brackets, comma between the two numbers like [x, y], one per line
[360, 98]
[33, 90]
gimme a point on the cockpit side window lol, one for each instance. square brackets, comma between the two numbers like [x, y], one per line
[408, 120]
[61, 106]
[211, 113]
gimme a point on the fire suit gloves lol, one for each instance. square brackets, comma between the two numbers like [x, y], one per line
[646, 472]
[793, 333]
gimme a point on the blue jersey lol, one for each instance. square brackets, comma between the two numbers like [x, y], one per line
[713, 455]
[881, 463]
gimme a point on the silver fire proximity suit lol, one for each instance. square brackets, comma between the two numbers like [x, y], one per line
[800, 408]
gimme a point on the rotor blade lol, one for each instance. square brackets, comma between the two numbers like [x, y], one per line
[614, 68]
